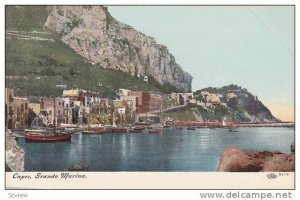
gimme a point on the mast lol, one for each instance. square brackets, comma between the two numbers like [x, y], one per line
[55, 119]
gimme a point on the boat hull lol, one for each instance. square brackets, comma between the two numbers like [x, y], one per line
[154, 131]
[44, 138]
[119, 130]
[92, 132]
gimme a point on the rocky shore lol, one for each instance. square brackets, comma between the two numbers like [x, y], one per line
[14, 154]
[236, 160]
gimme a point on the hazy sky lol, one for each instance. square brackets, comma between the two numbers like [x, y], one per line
[219, 45]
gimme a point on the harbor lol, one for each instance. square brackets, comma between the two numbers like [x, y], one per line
[172, 149]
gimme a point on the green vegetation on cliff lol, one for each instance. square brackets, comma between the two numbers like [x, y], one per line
[41, 61]
[242, 107]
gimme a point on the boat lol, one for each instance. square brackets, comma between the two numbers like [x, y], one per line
[191, 128]
[67, 126]
[36, 130]
[166, 126]
[92, 132]
[224, 124]
[47, 135]
[139, 128]
[232, 129]
[119, 130]
[136, 129]
[154, 131]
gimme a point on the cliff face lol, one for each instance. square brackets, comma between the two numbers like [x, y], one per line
[94, 34]
[240, 105]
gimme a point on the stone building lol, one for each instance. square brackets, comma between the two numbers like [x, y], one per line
[102, 113]
[16, 110]
[143, 101]
[156, 102]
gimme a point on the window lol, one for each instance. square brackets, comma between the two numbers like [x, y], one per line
[26, 106]
[58, 112]
[10, 111]
[50, 112]
[10, 98]
[22, 108]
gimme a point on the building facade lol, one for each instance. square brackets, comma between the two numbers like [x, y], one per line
[17, 110]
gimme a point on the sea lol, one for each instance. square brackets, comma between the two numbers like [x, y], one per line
[172, 150]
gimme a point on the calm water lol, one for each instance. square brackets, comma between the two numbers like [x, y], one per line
[172, 150]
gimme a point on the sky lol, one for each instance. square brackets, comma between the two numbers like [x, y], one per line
[251, 46]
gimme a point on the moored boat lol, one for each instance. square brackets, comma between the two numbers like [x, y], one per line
[154, 131]
[48, 137]
[92, 132]
[191, 128]
[139, 128]
[136, 129]
[119, 130]
[232, 129]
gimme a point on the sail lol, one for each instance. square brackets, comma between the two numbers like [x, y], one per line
[223, 124]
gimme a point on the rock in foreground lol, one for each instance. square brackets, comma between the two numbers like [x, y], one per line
[236, 160]
[14, 153]
[78, 167]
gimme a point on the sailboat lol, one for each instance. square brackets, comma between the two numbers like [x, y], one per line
[47, 135]
[223, 123]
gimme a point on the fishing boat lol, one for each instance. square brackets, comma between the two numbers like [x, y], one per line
[136, 129]
[224, 124]
[154, 131]
[232, 129]
[119, 130]
[139, 128]
[191, 128]
[47, 135]
[93, 131]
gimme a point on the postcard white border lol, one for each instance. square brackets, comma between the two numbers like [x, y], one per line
[214, 177]
[152, 180]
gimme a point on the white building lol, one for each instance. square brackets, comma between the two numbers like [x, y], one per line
[146, 79]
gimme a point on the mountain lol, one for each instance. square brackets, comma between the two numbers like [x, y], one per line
[38, 57]
[229, 103]
[94, 34]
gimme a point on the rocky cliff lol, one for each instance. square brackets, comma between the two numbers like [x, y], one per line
[236, 160]
[103, 41]
[237, 105]
[13, 153]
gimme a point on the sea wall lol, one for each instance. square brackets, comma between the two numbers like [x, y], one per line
[14, 154]
[236, 160]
